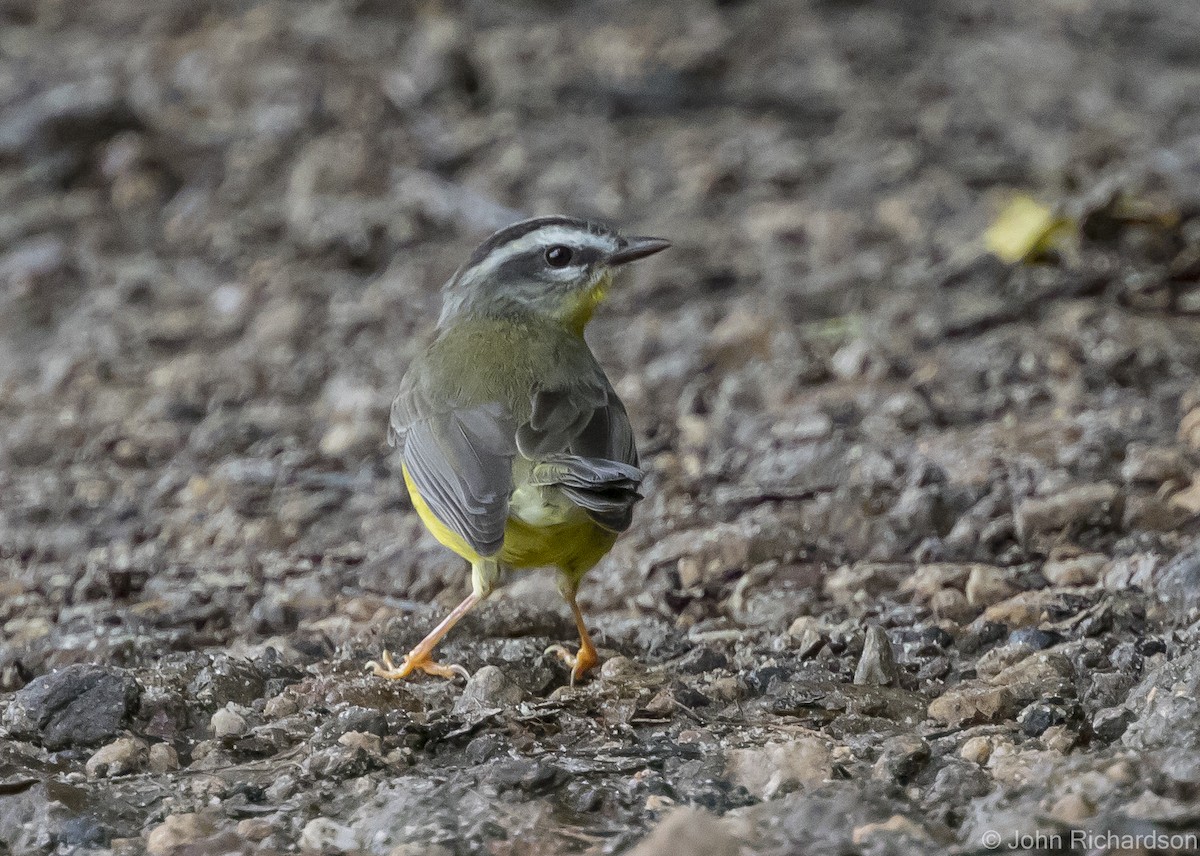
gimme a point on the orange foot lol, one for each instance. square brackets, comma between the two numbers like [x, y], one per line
[581, 663]
[422, 662]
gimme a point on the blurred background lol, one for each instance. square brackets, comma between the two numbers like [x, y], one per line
[224, 225]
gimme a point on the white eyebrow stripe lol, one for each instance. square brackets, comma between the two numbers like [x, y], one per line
[545, 236]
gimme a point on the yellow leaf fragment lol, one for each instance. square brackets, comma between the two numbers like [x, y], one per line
[1024, 229]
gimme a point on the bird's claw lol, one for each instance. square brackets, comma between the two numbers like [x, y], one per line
[386, 668]
[579, 663]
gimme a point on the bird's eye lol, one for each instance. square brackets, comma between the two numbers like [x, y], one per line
[558, 256]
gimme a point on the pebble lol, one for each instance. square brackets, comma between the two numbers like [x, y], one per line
[619, 668]
[1084, 505]
[322, 835]
[488, 689]
[372, 744]
[1072, 809]
[902, 758]
[254, 828]
[178, 831]
[123, 756]
[227, 723]
[802, 625]
[1154, 465]
[1083, 570]
[280, 706]
[986, 585]
[952, 605]
[688, 832]
[877, 665]
[889, 830]
[972, 704]
[1040, 675]
[763, 770]
[976, 750]
[81, 705]
[163, 758]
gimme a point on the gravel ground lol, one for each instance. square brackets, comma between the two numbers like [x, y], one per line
[919, 566]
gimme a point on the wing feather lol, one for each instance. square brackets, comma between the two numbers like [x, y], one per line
[581, 438]
[461, 463]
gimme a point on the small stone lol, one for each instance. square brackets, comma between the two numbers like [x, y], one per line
[178, 831]
[802, 625]
[986, 585]
[619, 668]
[896, 826]
[1026, 609]
[322, 835]
[851, 360]
[488, 689]
[1110, 723]
[163, 758]
[123, 756]
[951, 604]
[976, 750]
[764, 770]
[1154, 465]
[1072, 810]
[227, 723]
[1044, 674]
[862, 580]
[877, 665]
[372, 744]
[279, 707]
[1039, 716]
[661, 706]
[1083, 570]
[81, 705]
[1091, 505]
[688, 832]
[902, 758]
[929, 579]
[810, 643]
[1121, 772]
[254, 828]
[347, 438]
[972, 704]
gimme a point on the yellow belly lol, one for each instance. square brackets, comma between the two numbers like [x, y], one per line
[574, 544]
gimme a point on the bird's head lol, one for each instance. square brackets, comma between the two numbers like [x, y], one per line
[551, 267]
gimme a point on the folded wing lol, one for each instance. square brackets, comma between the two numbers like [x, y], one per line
[460, 460]
[581, 439]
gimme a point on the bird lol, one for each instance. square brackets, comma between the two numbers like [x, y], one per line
[516, 450]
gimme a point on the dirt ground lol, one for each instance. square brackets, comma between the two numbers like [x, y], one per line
[918, 567]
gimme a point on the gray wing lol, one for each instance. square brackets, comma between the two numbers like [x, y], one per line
[460, 460]
[583, 443]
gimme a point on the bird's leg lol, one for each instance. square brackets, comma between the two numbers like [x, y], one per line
[484, 575]
[587, 658]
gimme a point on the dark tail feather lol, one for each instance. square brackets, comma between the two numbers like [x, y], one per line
[606, 490]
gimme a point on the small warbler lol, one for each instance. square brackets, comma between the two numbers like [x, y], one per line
[517, 452]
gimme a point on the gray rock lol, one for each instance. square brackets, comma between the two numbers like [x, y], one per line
[123, 756]
[877, 665]
[1110, 723]
[1166, 708]
[488, 689]
[81, 705]
[902, 758]
[1179, 581]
